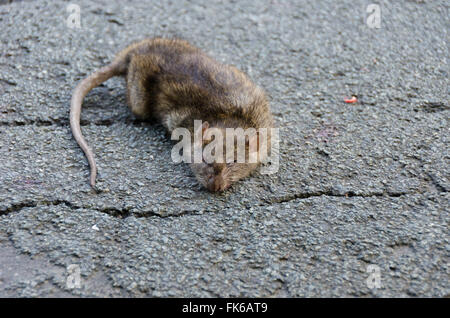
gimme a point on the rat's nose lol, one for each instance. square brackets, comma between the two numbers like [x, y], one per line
[214, 184]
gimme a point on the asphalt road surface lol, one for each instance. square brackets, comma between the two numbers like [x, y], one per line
[359, 206]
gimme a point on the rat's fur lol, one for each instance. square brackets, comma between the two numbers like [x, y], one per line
[176, 83]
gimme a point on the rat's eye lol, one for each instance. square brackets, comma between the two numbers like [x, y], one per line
[229, 164]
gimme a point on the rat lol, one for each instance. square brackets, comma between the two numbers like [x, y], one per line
[175, 83]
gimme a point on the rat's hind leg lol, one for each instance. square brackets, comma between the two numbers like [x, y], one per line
[141, 85]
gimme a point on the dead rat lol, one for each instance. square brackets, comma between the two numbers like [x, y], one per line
[176, 83]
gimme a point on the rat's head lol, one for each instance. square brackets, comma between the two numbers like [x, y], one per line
[218, 170]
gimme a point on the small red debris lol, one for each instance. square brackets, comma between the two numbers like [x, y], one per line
[351, 100]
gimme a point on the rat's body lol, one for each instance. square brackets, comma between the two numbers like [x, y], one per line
[176, 83]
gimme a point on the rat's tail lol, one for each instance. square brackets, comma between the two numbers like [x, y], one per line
[79, 93]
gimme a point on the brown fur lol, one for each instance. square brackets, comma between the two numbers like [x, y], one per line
[174, 82]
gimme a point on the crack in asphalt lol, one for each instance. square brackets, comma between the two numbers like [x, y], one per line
[63, 122]
[436, 183]
[17, 207]
[330, 193]
[37, 122]
[112, 211]
[128, 211]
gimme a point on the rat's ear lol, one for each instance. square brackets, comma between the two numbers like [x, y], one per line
[201, 130]
[253, 147]
[253, 141]
[205, 126]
